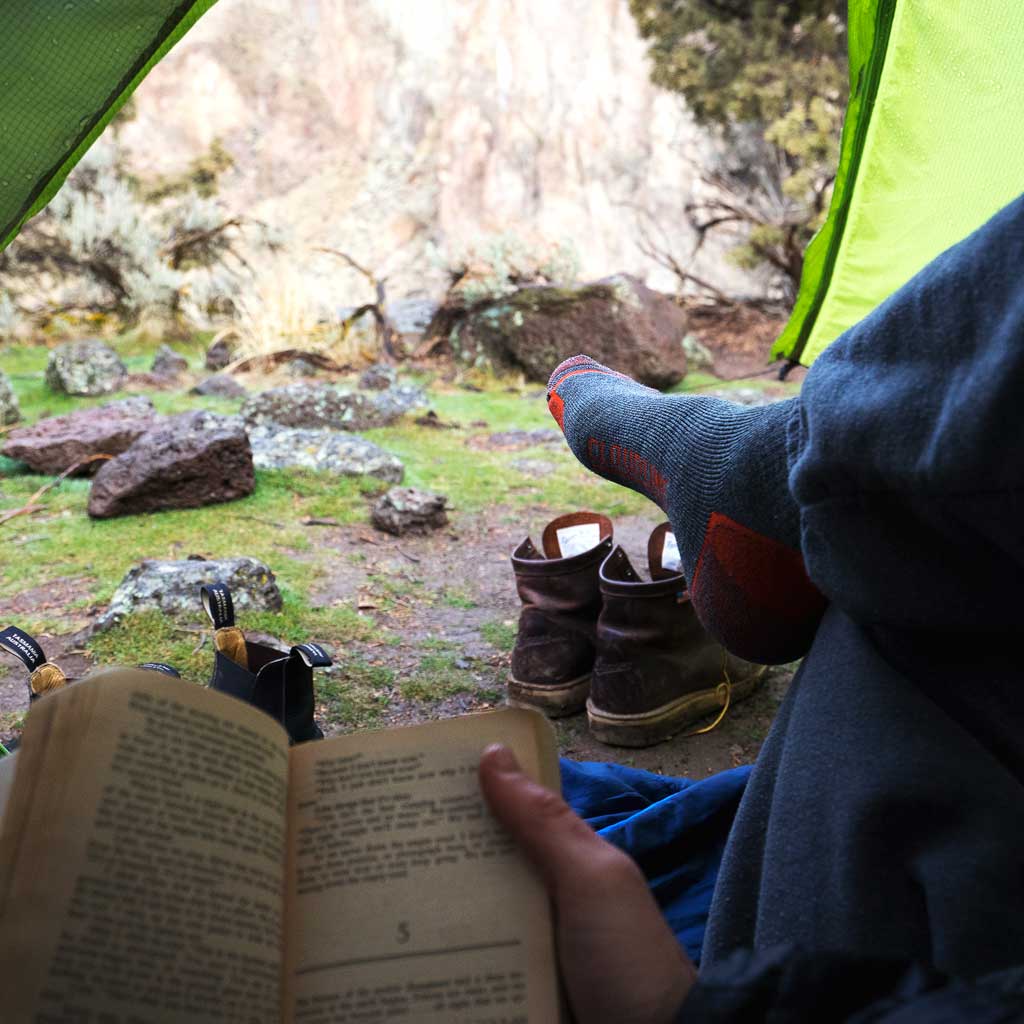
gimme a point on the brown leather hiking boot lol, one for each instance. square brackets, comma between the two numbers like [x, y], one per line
[656, 668]
[554, 651]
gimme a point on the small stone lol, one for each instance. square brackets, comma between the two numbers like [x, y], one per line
[172, 588]
[698, 356]
[54, 444]
[378, 377]
[10, 411]
[397, 402]
[167, 363]
[220, 354]
[191, 460]
[408, 510]
[84, 368]
[301, 367]
[328, 451]
[220, 385]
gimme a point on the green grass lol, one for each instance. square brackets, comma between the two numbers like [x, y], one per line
[501, 634]
[354, 693]
[455, 597]
[435, 679]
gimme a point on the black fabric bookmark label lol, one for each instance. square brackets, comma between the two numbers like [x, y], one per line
[159, 666]
[218, 604]
[313, 655]
[23, 647]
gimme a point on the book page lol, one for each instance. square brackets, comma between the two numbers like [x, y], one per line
[406, 899]
[142, 857]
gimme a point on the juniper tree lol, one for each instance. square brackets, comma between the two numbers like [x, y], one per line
[769, 78]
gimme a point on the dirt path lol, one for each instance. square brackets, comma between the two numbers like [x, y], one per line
[457, 594]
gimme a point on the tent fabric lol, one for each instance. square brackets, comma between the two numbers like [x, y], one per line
[933, 146]
[65, 70]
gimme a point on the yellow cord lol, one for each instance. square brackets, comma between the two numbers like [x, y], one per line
[727, 687]
[724, 693]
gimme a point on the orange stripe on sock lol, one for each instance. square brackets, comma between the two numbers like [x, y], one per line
[557, 409]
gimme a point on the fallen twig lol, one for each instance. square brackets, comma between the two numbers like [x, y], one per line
[30, 506]
[412, 558]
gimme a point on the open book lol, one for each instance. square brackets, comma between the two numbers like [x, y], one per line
[165, 856]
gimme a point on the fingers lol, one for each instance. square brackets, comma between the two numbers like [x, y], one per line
[568, 853]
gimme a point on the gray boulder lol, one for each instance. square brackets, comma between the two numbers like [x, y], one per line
[191, 460]
[53, 444]
[10, 411]
[328, 451]
[85, 368]
[301, 367]
[411, 317]
[408, 510]
[399, 401]
[319, 405]
[378, 377]
[172, 588]
[167, 363]
[221, 385]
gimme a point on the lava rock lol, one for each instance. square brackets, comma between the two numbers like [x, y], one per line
[220, 354]
[167, 363]
[54, 444]
[319, 405]
[378, 377]
[191, 460]
[172, 588]
[85, 368]
[220, 385]
[618, 321]
[408, 510]
[328, 451]
[10, 411]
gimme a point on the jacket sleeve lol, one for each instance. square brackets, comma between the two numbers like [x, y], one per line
[787, 986]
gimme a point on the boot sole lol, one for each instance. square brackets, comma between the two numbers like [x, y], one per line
[646, 728]
[555, 701]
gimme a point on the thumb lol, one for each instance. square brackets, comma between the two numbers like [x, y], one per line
[547, 830]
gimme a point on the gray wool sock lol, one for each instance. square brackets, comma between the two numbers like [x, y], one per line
[719, 471]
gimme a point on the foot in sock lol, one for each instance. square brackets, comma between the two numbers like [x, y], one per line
[719, 472]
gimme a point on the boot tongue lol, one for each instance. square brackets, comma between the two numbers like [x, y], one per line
[663, 553]
[44, 677]
[575, 533]
[227, 637]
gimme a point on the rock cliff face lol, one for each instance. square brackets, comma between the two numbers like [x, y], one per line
[395, 128]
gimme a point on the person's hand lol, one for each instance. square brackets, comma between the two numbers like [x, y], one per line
[620, 962]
